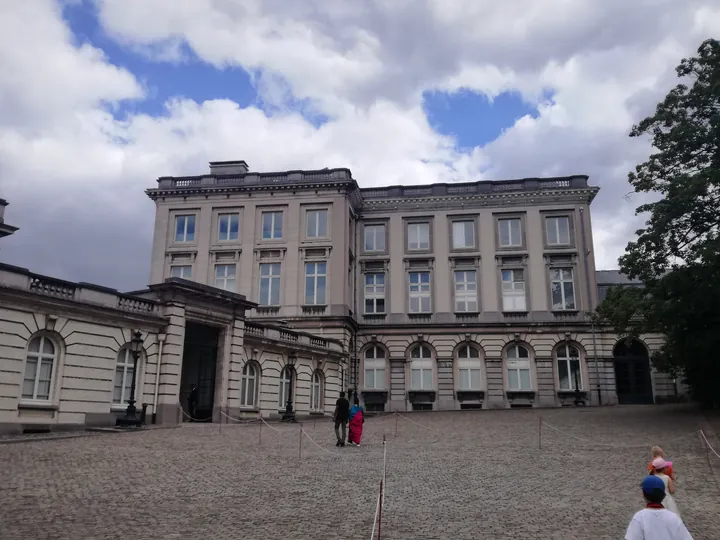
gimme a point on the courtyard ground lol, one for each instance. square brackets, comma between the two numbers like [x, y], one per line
[455, 475]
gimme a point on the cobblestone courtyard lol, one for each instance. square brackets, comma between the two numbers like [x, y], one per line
[474, 474]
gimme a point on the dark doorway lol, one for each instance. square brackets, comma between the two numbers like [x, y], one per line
[198, 369]
[632, 373]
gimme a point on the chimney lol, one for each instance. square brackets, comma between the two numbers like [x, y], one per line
[221, 168]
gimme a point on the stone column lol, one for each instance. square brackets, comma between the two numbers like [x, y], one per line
[233, 361]
[446, 386]
[397, 398]
[495, 386]
[171, 366]
[546, 393]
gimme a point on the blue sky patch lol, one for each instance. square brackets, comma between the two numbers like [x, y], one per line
[471, 117]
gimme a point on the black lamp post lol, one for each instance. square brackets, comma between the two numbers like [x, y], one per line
[136, 344]
[289, 415]
[578, 395]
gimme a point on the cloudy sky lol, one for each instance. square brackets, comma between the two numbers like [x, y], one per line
[100, 97]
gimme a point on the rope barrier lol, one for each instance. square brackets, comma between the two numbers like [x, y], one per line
[240, 420]
[192, 417]
[708, 443]
[320, 447]
[375, 519]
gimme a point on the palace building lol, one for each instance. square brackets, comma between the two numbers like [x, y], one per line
[269, 288]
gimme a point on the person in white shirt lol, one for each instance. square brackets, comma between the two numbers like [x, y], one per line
[654, 522]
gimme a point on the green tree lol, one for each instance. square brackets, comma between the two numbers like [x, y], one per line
[676, 254]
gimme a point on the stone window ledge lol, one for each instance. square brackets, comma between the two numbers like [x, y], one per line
[314, 309]
[37, 406]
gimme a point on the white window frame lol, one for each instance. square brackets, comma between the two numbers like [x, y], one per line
[375, 291]
[558, 276]
[455, 236]
[286, 377]
[249, 380]
[273, 283]
[124, 368]
[224, 279]
[414, 235]
[313, 219]
[423, 364]
[314, 271]
[376, 363]
[274, 216]
[514, 291]
[516, 362]
[376, 232]
[466, 291]
[184, 271]
[563, 355]
[513, 242]
[553, 223]
[184, 237]
[229, 216]
[317, 385]
[468, 360]
[419, 291]
[40, 357]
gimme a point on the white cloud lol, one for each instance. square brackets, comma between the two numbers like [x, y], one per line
[75, 175]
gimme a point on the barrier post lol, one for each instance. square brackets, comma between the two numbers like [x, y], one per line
[300, 443]
[380, 506]
[260, 432]
[539, 432]
[396, 422]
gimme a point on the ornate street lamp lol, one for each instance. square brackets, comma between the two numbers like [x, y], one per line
[289, 415]
[136, 345]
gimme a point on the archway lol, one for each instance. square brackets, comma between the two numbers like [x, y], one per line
[632, 373]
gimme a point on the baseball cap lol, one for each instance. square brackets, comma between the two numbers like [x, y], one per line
[651, 483]
[659, 463]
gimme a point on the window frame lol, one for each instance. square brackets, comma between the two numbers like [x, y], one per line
[516, 367]
[285, 381]
[185, 215]
[181, 266]
[315, 276]
[39, 355]
[245, 380]
[375, 296]
[467, 295]
[318, 211]
[514, 269]
[521, 217]
[473, 220]
[567, 359]
[375, 360]
[270, 278]
[221, 213]
[561, 268]
[407, 223]
[469, 363]
[273, 212]
[547, 217]
[226, 278]
[419, 294]
[372, 225]
[423, 364]
[127, 372]
[317, 391]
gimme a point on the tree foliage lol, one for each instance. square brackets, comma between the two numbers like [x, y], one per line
[676, 254]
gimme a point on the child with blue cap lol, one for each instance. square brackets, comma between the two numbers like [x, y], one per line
[654, 522]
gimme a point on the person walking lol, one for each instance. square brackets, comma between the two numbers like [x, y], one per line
[660, 467]
[341, 417]
[655, 522]
[357, 419]
[192, 402]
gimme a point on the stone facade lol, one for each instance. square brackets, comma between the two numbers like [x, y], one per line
[437, 270]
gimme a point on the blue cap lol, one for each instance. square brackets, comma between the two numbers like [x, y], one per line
[651, 483]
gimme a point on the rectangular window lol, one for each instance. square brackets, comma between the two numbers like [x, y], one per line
[420, 292]
[562, 289]
[466, 291]
[185, 228]
[421, 375]
[184, 272]
[315, 281]
[510, 232]
[558, 230]
[374, 373]
[269, 284]
[513, 290]
[519, 375]
[316, 226]
[228, 227]
[225, 277]
[463, 234]
[418, 236]
[374, 293]
[469, 378]
[569, 374]
[272, 225]
[374, 237]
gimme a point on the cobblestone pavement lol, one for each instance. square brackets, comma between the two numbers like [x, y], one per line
[469, 474]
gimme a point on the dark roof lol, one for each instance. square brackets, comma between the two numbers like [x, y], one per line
[614, 277]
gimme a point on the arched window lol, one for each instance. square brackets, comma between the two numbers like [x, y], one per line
[518, 368]
[249, 385]
[421, 369]
[39, 365]
[568, 364]
[285, 383]
[123, 376]
[469, 368]
[375, 368]
[317, 385]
